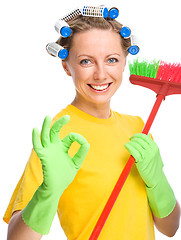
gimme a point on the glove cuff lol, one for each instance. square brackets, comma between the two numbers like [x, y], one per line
[40, 211]
[161, 198]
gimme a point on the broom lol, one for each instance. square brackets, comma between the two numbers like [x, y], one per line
[164, 79]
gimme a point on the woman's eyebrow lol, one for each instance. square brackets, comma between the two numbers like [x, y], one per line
[113, 54]
[86, 55]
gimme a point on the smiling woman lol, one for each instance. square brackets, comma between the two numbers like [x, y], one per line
[96, 63]
[64, 175]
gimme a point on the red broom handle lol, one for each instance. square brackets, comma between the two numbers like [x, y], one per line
[107, 209]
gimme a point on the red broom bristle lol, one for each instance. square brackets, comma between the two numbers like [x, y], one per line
[169, 72]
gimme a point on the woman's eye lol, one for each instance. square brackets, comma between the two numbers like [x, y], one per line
[112, 60]
[85, 62]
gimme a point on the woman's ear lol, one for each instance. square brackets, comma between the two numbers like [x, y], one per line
[65, 67]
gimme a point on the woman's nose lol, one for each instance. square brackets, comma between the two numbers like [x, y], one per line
[100, 72]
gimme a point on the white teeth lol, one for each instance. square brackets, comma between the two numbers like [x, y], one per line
[97, 87]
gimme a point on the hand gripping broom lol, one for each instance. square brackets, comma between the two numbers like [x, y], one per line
[164, 79]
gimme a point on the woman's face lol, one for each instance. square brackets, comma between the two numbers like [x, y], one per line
[96, 62]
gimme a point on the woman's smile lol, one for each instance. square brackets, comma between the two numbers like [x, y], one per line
[101, 88]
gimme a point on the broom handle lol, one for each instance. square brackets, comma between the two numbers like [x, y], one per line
[107, 209]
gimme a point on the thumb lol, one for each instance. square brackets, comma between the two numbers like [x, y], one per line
[80, 155]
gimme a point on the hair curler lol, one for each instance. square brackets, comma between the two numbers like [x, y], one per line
[100, 11]
[63, 28]
[134, 49]
[113, 13]
[125, 32]
[56, 50]
[73, 14]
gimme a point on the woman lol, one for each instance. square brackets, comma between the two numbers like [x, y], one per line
[78, 181]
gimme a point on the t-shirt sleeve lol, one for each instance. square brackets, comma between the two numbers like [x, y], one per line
[29, 182]
[142, 124]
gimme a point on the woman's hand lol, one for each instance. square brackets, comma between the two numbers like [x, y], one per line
[160, 195]
[59, 169]
[147, 158]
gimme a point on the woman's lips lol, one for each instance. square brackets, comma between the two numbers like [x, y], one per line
[99, 88]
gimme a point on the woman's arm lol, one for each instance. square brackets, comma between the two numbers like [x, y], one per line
[161, 198]
[18, 230]
[170, 224]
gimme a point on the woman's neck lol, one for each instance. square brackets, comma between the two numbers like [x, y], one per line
[96, 110]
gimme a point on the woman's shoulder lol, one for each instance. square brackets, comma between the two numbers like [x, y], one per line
[60, 114]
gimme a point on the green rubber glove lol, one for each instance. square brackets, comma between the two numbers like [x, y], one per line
[59, 170]
[150, 166]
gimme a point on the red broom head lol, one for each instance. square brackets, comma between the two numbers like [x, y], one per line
[169, 72]
[161, 77]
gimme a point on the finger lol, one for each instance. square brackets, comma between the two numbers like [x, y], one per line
[82, 152]
[134, 149]
[72, 137]
[45, 139]
[80, 155]
[144, 137]
[55, 129]
[152, 146]
[36, 140]
[143, 144]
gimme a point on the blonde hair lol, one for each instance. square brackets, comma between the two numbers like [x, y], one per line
[82, 24]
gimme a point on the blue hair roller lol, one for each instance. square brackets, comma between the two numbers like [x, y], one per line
[105, 12]
[65, 32]
[56, 50]
[100, 11]
[125, 32]
[63, 28]
[63, 54]
[113, 13]
[133, 49]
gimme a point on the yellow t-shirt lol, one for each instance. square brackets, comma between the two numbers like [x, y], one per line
[83, 201]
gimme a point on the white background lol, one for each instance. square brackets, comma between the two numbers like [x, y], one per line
[34, 85]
